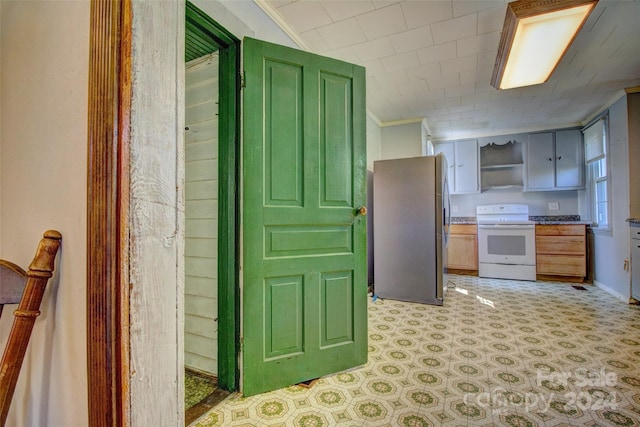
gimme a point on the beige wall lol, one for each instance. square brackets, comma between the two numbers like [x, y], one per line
[43, 169]
[401, 141]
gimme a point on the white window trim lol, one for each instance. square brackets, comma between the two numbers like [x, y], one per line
[608, 229]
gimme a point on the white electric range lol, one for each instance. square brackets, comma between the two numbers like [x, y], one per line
[506, 242]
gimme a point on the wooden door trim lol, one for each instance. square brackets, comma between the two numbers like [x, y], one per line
[109, 105]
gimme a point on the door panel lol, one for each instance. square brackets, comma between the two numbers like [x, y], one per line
[304, 247]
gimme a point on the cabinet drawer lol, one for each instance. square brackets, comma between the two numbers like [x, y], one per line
[635, 232]
[463, 229]
[561, 265]
[561, 230]
[569, 245]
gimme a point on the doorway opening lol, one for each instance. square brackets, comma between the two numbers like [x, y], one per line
[211, 174]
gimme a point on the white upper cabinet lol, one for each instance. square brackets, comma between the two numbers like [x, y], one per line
[462, 162]
[555, 161]
[540, 155]
[569, 159]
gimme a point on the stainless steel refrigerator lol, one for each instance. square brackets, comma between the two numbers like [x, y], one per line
[410, 226]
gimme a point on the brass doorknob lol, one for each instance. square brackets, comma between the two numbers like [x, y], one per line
[362, 210]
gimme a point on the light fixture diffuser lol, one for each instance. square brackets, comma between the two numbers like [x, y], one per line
[535, 36]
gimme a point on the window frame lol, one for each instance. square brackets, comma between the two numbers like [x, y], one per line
[592, 183]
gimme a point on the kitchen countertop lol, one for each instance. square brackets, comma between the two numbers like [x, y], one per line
[633, 221]
[559, 222]
[538, 219]
[463, 220]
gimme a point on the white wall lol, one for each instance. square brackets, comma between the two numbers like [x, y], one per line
[374, 138]
[401, 141]
[538, 201]
[611, 249]
[201, 214]
[374, 141]
[43, 175]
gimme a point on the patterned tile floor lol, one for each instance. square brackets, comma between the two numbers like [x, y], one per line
[500, 352]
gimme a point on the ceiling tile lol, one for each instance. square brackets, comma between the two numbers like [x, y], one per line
[374, 67]
[447, 82]
[382, 22]
[476, 75]
[375, 49]
[412, 39]
[457, 65]
[314, 40]
[339, 10]
[412, 88]
[305, 15]
[487, 59]
[438, 53]
[379, 4]
[392, 79]
[454, 29]
[420, 13]
[467, 89]
[466, 7]
[345, 54]
[450, 102]
[343, 33]
[424, 72]
[401, 61]
[444, 81]
[491, 20]
[478, 44]
[475, 98]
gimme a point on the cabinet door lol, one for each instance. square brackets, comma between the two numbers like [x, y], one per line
[448, 150]
[462, 252]
[466, 170]
[540, 162]
[569, 159]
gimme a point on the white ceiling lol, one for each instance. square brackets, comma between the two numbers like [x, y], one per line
[433, 59]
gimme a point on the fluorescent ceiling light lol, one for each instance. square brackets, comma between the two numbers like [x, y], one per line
[535, 36]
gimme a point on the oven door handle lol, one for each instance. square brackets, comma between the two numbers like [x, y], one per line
[506, 227]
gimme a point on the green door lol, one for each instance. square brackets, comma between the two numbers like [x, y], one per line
[304, 296]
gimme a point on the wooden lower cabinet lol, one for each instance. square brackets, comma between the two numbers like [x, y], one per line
[462, 248]
[561, 250]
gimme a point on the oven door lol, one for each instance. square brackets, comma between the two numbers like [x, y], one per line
[507, 244]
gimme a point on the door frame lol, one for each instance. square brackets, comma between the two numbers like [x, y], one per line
[108, 209]
[228, 46]
[109, 114]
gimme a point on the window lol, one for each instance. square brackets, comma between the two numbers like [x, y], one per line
[600, 193]
[595, 136]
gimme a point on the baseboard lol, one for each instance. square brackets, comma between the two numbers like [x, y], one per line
[602, 286]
